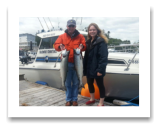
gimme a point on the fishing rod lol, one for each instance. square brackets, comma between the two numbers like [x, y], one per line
[46, 23]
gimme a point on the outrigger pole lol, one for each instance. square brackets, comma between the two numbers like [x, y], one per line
[46, 23]
[81, 20]
[58, 22]
[50, 22]
[40, 23]
[76, 19]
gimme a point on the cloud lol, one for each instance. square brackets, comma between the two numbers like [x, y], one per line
[124, 28]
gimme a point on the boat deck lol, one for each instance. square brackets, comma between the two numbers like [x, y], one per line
[33, 94]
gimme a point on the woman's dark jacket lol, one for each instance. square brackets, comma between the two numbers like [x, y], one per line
[96, 58]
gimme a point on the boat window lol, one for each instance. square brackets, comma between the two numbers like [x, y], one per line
[117, 62]
[47, 43]
[85, 37]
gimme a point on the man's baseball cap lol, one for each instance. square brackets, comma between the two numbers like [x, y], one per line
[71, 22]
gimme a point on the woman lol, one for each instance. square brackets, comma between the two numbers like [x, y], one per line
[95, 61]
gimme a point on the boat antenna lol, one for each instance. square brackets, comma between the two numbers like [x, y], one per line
[46, 23]
[40, 22]
[76, 19]
[50, 22]
[58, 22]
[81, 20]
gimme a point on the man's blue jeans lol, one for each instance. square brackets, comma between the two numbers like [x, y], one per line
[71, 83]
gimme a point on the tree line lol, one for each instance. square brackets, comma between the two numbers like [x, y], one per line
[115, 41]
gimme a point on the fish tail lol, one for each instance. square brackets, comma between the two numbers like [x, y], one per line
[64, 88]
[81, 86]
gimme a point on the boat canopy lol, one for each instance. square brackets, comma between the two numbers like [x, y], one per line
[56, 33]
[50, 34]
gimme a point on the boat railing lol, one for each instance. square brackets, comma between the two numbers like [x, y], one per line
[132, 60]
[124, 48]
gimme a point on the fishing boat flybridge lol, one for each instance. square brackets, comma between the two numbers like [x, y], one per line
[122, 72]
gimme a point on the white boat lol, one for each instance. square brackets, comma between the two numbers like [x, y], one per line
[122, 72]
[32, 54]
[111, 50]
[24, 57]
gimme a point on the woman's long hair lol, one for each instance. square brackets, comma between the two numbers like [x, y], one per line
[99, 32]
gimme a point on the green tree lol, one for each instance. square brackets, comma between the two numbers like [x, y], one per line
[126, 41]
[114, 41]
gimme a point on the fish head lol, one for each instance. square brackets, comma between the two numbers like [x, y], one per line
[64, 52]
[77, 51]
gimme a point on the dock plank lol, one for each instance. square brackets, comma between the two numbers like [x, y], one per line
[43, 97]
[23, 84]
[33, 94]
[36, 99]
[31, 91]
[53, 101]
[47, 101]
[37, 93]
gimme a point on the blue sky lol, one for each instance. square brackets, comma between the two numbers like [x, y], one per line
[124, 28]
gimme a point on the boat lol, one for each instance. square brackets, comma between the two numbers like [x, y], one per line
[129, 48]
[24, 57]
[32, 54]
[111, 50]
[122, 72]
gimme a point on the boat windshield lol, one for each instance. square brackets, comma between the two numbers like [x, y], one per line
[47, 43]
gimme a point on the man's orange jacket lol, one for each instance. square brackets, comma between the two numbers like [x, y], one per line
[70, 43]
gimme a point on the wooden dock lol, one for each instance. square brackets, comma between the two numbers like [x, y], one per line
[33, 94]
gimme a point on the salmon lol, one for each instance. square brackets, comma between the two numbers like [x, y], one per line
[63, 67]
[78, 63]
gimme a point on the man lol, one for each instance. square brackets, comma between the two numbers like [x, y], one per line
[71, 40]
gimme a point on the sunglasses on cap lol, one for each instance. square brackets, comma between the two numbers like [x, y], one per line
[71, 26]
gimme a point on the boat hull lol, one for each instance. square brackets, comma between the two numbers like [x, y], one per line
[119, 86]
